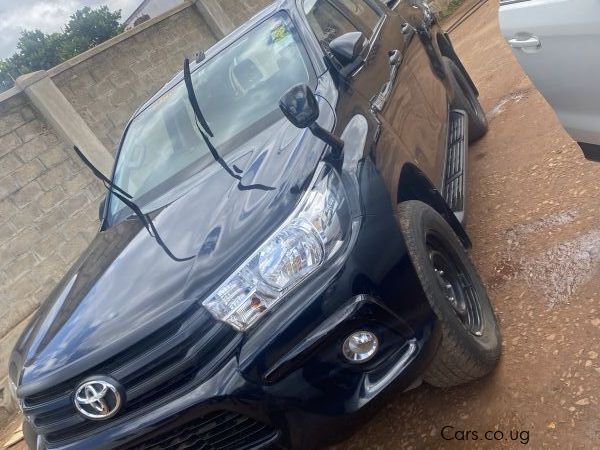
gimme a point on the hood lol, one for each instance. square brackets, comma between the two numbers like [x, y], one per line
[125, 285]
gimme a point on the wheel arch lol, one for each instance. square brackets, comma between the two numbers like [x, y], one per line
[414, 185]
[447, 49]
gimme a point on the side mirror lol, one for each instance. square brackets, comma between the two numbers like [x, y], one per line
[299, 105]
[348, 47]
[101, 209]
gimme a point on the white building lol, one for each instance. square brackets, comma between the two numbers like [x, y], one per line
[150, 8]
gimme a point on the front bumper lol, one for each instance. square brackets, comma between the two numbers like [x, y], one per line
[306, 408]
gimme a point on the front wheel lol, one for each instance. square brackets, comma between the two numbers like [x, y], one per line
[471, 338]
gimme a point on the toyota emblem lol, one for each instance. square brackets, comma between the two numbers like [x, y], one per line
[98, 399]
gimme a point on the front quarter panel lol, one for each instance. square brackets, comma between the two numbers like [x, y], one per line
[375, 263]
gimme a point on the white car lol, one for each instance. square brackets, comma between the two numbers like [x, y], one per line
[557, 42]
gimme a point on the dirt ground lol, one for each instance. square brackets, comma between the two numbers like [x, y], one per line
[534, 213]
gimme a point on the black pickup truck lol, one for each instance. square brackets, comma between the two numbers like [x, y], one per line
[281, 245]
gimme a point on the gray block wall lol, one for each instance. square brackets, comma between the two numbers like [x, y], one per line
[48, 214]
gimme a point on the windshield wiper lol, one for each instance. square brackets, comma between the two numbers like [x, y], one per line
[205, 131]
[126, 199]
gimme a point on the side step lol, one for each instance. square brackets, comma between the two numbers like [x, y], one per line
[455, 169]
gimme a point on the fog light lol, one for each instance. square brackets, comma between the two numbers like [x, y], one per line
[360, 346]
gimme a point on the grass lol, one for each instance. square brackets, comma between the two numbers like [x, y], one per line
[452, 6]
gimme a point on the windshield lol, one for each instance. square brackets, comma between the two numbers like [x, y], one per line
[238, 91]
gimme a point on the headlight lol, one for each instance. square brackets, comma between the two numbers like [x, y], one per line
[313, 234]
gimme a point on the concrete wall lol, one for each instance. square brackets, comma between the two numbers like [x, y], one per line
[48, 214]
[48, 199]
[48, 207]
[239, 11]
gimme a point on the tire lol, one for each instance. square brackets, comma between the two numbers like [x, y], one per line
[463, 97]
[471, 340]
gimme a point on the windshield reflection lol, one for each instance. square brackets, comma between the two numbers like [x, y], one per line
[238, 92]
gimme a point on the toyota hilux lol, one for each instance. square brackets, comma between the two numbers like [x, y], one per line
[281, 245]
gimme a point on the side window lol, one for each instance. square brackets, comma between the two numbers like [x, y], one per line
[363, 11]
[326, 21]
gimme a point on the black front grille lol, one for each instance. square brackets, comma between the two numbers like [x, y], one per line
[153, 370]
[215, 431]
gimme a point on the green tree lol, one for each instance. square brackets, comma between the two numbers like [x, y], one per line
[88, 28]
[37, 50]
[7, 74]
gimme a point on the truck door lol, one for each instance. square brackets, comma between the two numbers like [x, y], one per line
[384, 81]
[427, 68]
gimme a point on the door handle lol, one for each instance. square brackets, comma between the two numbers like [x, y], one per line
[396, 57]
[407, 30]
[529, 42]
[379, 100]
